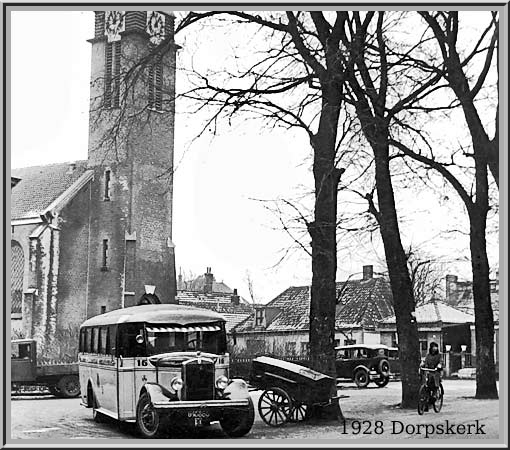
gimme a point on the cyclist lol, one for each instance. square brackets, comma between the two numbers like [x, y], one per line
[433, 361]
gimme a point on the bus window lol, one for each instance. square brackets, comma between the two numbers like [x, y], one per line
[82, 340]
[95, 340]
[177, 341]
[111, 346]
[103, 338]
[88, 340]
[128, 346]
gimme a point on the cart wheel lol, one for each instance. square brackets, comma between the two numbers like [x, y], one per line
[275, 406]
[298, 411]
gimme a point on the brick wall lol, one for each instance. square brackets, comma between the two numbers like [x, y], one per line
[140, 158]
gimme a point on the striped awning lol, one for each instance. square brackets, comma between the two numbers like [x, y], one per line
[183, 329]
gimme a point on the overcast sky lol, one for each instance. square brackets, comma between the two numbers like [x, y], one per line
[217, 221]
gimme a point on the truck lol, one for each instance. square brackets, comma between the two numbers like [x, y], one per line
[61, 379]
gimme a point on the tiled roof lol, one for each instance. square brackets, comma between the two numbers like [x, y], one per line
[361, 303]
[197, 285]
[221, 303]
[40, 186]
[467, 303]
[436, 311]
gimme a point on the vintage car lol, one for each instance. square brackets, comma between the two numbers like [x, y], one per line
[364, 363]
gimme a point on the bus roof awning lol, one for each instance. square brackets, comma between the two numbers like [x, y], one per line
[183, 329]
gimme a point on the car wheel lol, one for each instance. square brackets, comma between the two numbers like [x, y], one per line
[383, 381]
[361, 378]
[69, 386]
[238, 423]
[384, 367]
[147, 418]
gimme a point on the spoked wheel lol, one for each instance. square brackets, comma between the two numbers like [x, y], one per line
[69, 386]
[423, 399]
[275, 406]
[147, 419]
[298, 411]
[438, 404]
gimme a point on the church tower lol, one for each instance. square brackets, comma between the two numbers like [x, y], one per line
[131, 146]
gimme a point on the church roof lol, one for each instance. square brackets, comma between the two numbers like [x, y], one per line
[40, 186]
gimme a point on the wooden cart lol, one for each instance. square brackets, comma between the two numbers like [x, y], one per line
[288, 389]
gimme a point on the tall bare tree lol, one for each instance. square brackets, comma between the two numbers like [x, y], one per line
[485, 154]
[298, 83]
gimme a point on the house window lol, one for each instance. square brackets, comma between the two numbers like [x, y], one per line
[305, 348]
[337, 342]
[423, 345]
[107, 181]
[290, 348]
[259, 317]
[156, 85]
[350, 341]
[255, 346]
[103, 309]
[105, 255]
[112, 75]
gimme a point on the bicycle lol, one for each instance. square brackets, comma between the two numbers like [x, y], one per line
[425, 397]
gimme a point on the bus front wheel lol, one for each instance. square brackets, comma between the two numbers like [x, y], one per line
[147, 418]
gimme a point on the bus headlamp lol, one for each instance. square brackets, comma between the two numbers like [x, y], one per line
[176, 384]
[221, 382]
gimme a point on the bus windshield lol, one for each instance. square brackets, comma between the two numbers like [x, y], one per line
[166, 340]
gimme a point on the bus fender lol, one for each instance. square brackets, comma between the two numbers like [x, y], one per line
[156, 392]
[237, 388]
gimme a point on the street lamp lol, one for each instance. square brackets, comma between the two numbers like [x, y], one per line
[447, 347]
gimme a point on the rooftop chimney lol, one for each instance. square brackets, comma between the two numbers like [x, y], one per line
[209, 278]
[368, 272]
[235, 298]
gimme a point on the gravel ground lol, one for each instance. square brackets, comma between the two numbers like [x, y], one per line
[370, 413]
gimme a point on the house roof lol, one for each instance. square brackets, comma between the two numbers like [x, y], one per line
[361, 303]
[466, 303]
[218, 302]
[433, 312]
[197, 285]
[40, 186]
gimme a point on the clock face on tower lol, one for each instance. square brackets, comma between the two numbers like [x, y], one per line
[155, 26]
[114, 24]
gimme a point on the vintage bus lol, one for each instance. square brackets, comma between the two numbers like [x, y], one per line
[161, 365]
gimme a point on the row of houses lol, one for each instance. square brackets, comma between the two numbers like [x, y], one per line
[364, 315]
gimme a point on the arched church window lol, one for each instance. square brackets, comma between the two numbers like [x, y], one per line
[17, 270]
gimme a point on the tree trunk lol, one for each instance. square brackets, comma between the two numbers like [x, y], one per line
[324, 264]
[484, 319]
[401, 286]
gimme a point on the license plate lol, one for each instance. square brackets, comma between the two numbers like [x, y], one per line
[198, 416]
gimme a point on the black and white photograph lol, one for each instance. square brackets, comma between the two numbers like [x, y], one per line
[255, 224]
